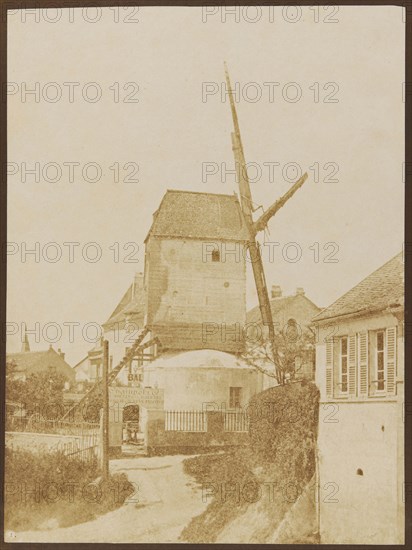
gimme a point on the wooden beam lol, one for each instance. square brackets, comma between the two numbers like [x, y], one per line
[246, 204]
[262, 222]
[105, 415]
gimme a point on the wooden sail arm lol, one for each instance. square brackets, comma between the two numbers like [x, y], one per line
[262, 222]
[239, 153]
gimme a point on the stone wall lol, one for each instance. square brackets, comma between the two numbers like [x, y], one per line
[40, 442]
[159, 441]
[185, 290]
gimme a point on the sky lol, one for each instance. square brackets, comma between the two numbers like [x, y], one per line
[317, 91]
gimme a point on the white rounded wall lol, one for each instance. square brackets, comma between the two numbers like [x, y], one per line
[191, 388]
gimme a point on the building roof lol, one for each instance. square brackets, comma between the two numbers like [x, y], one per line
[382, 289]
[200, 216]
[278, 305]
[82, 362]
[37, 361]
[131, 307]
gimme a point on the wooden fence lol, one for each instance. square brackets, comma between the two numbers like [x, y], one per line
[196, 421]
[84, 449]
[185, 421]
[236, 422]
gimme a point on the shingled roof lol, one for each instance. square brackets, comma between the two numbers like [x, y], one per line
[382, 289]
[39, 361]
[131, 307]
[200, 216]
[277, 305]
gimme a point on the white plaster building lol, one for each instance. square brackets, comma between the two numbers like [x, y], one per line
[360, 374]
[193, 379]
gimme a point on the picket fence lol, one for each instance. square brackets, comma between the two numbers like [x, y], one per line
[196, 421]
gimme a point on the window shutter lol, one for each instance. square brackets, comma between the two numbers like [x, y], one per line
[352, 365]
[391, 360]
[329, 367]
[363, 363]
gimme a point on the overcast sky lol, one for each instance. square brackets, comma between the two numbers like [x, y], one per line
[349, 75]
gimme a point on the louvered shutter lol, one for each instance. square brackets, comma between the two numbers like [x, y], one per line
[363, 363]
[329, 367]
[352, 364]
[391, 360]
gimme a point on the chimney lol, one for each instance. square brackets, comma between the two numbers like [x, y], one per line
[61, 353]
[300, 291]
[276, 291]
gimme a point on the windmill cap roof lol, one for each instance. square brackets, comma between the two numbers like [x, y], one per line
[199, 215]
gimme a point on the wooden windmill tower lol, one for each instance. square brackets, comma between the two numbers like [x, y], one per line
[254, 227]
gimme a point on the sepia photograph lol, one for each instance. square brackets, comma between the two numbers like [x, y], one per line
[204, 234]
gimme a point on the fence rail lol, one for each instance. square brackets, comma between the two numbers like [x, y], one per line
[81, 450]
[186, 421]
[196, 421]
[236, 422]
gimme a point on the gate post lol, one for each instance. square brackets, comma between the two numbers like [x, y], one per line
[105, 416]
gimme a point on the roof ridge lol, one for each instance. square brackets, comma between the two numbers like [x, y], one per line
[181, 214]
[281, 298]
[355, 286]
[201, 193]
[31, 351]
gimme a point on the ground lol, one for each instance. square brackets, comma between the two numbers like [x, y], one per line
[165, 501]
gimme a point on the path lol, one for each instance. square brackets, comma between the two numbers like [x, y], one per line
[167, 500]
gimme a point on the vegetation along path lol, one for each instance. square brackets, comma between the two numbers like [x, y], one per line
[165, 501]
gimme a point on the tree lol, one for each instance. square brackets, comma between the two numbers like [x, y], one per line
[40, 392]
[14, 386]
[283, 359]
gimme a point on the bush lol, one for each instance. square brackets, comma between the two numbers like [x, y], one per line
[283, 433]
[283, 429]
[51, 490]
[224, 474]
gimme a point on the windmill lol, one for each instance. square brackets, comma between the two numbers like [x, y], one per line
[254, 227]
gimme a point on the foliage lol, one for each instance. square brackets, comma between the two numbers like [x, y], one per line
[39, 392]
[219, 473]
[90, 411]
[50, 490]
[283, 429]
[283, 432]
[283, 358]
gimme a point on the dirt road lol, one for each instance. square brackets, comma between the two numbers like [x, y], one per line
[163, 505]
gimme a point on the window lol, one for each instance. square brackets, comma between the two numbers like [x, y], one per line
[344, 365]
[215, 256]
[235, 395]
[291, 331]
[380, 360]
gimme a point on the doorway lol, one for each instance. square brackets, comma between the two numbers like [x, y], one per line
[131, 424]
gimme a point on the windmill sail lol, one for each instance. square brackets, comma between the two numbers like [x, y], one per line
[254, 227]
[246, 204]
